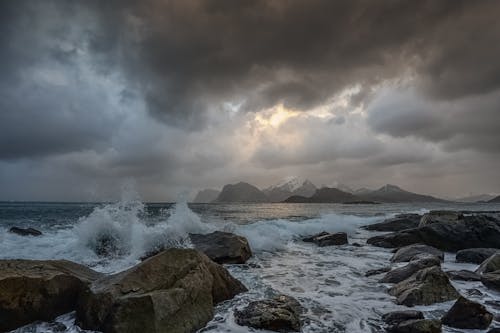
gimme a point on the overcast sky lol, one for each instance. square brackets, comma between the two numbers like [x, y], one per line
[174, 96]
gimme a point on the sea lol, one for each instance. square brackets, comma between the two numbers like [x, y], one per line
[329, 282]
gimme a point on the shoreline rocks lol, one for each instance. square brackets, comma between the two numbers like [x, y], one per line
[467, 315]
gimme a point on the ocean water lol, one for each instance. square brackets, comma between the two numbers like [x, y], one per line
[329, 282]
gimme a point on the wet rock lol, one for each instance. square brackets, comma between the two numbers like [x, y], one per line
[417, 326]
[490, 265]
[397, 317]
[491, 280]
[398, 223]
[467, 314]
[377, 271]
[173, 291]
[402, 273]
[25, 231]
[494, 330]
[33, 290]
[463, 275]
[476, 255]
[427, 286]
[439, 216]
[279, 314]
[471, 232]
[327, 239]
[223, 247]
[409, 252]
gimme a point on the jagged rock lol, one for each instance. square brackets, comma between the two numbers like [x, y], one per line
[490, 265]
[417, 326]
[397, 317]
[377, 271]
[279, 314]
[471, 232]
[409, 252]
[463, 275]
[33, 290]
[476, 255]
[491, 280]
[174, 292]
[467, 314]
[398, 223]
[223, 247]
[427, 286]
[327, 239]
[402, 273]
[25, 231]
[439, 216]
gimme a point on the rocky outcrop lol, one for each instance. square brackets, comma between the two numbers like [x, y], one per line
[490, 265]
[471, 232]
[439, 216]
[463, 275]
[174, 291]
[410, 252]
[39, 290]
[327, 239]
[468, 315]
[402, 273]
[427, 286]
[476, 255]
[491, 280]
[279, 314]
[223, 247]
[398, 223]
[416, 326]
[25, 231]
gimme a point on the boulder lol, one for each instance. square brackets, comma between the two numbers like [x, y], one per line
[476, 255]
[490, 265]
[398, 223]
[279, 314]
[427, 286]
[327, 239]
[463, 275]
[311, 239]
[416, 326]
[467, 314]
[173, 291]
[25, 231]
[491, 280]
[223, 247]
[494, 330]
[409, 252]
[402, 273]
[471, 232]
[33, 290]
[439, 216]
[397, 317]
[377, 271]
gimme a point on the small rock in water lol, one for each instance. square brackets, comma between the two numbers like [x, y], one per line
[467, 314]
[397, 317]
[490, 265]
[326, 239]
[417, 326]
[398, 223]
[402, 273]
[407, 253]
[439, 216]
[279, 314]
[222, 247]
[25, 231]
[311, 239]
[491, 280]
[463, 275]
[475, 255]
[377, 271]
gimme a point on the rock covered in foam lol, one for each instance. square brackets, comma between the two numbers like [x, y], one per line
[39, 290]
[174, 291]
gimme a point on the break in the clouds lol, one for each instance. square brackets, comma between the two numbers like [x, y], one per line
[181, 95]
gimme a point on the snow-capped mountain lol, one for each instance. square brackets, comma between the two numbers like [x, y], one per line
[288, 187]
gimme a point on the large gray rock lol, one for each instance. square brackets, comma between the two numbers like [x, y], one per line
[476, 255]
[279, 314]
[427, 286]
[468, 315]
[174, 292]
[397, 223]
[410, 252]
[439, 216]
[223, 247]
[402, 273]
[490, 265]
[471, 232]
[39, 290]
[416, 326]
[491, 280]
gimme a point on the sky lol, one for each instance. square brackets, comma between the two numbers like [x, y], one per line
[175, 96]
